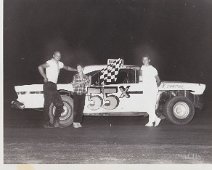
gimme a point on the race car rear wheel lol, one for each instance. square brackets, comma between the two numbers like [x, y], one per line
[66, 118]
[179, 110]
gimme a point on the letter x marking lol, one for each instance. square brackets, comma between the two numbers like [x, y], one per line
[124, 91]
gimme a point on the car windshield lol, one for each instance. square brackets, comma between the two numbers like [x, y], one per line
[124, 76]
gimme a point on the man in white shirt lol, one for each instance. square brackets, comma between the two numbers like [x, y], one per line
[51, 95]
[151, 81]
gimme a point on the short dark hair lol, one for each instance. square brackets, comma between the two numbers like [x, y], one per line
[80, 65]
[147, 56]
[56, 52]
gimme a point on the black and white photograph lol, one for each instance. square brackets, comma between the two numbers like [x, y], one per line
[107, 82]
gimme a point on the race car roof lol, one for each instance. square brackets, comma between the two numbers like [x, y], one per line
[91, 68]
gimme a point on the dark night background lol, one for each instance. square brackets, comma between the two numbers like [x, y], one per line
[176, 33]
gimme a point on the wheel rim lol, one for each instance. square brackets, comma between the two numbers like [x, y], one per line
[181, 110]
[66, 113]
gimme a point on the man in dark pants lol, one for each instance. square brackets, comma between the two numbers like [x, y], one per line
[51, 95]
[80, 81]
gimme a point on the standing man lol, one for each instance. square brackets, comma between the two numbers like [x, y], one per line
[151, 81]
[51, 95]
[80, 82]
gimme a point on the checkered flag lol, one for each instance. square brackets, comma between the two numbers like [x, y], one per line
[109, 74]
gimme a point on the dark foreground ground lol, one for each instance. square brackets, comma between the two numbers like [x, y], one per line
[107, 140]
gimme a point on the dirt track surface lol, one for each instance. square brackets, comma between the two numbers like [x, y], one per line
[106, 140]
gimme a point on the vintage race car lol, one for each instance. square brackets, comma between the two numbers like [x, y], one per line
[177, 101]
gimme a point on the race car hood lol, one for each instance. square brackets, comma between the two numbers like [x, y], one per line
[195, 88]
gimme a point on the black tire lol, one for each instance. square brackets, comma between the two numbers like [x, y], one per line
[179, 110]
[66, 118]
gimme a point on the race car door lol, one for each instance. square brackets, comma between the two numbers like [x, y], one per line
[130, 91]
[125, 95]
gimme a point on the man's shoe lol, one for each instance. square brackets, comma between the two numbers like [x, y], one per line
[149, 124]
[48, 125]
[157, 121]
[76, 125]
[79, 124]
[56, 124]
[51, 119]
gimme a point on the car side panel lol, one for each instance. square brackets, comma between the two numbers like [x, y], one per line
[128, 96]
[32, 95]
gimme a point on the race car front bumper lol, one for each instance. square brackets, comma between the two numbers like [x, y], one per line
[18, 105]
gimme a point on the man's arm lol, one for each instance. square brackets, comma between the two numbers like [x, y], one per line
[88, 81]
[158, 80]
[42, 72]
[140, 76]
[68, 68]
[75, 82]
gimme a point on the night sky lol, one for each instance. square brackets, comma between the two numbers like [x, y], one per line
[177, 34]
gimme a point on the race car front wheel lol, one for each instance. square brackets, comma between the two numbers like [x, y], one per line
[66, 118]
[179, 110]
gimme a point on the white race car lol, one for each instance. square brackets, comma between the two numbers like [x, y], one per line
[176, 100]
